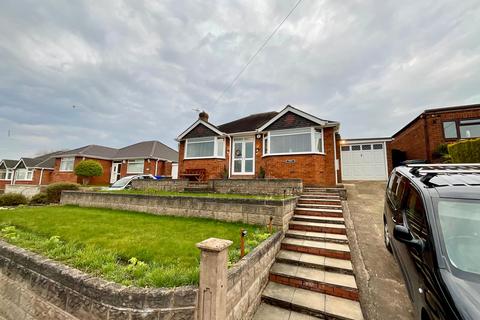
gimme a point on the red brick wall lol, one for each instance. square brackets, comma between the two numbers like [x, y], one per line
[163, 168]
[422, 137]
[3, 183]
[214, 167]
[58, 176]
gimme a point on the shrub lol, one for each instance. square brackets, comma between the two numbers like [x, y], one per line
[467, 151]
[87, 169]
[39, 198]
[54, 191]
[12, 199]
[261, 173]
[441, 153]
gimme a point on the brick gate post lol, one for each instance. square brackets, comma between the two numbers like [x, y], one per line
[212, 293]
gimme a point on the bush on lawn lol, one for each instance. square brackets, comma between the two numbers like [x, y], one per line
[54, 191]
[467, 151]
[39, 198]
[87, 169]
[12, 199]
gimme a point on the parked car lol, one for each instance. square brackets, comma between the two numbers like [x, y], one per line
[126, 182]
[432, 226]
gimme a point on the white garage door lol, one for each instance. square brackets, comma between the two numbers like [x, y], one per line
[364, 162]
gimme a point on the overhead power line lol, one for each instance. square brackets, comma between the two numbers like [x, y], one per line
[264, 44]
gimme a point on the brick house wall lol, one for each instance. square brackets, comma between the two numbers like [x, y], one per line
[70, 176]
[164, 168]
[422, 137]
[3, 183]
[37, 173]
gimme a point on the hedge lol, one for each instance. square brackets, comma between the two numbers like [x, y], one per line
[12, 199]
[54, 190]
[467, 151]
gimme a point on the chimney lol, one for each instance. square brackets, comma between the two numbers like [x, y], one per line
[203, 116]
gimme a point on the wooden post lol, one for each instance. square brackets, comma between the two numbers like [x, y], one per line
[243, 233]
[270, 225]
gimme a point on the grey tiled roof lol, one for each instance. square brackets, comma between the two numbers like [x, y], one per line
[92, 150]
[10, 164]
[147, 149]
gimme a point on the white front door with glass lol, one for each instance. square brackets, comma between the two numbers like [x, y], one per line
[243, 156]
[115, 172]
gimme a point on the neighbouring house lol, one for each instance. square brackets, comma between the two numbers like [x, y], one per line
[7, 170]
[148, 157]
[286, 144]
[34, 171]
[422, 136]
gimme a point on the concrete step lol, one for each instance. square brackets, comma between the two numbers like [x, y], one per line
[301, 208]
[309, 302]
[332, 283]
[316, 236]
[314, 261]
[317, 227]
[317, 201]
[304, 217]
[320, 206]
[319, 195]
[317, 213]
[269, 312]
[319, 248]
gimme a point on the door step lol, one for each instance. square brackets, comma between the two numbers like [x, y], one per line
[317, 201]
[322, 219]
[319, 248]
[315, 262]
[309, 303]
[317, 227]
[317, 236]
[320, 206]
[269, 312]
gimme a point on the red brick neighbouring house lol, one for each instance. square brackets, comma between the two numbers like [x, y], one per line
[7, 170]
[420, 138]
[34, 171]
[286, 144]
[148, 157]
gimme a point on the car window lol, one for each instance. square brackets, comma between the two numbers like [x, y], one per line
[391, 181]
[415, 214]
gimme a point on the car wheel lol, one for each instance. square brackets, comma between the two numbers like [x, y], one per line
[386, 236]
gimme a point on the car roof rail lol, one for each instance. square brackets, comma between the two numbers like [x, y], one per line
[428, 171]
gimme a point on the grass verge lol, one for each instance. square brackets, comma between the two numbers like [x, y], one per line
[129, 248]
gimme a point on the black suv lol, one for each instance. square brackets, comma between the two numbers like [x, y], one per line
[432, 226]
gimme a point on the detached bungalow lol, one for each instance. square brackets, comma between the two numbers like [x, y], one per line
[7, 169]
[286, 144]
[148, 157]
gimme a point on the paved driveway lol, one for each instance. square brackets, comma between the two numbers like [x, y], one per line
[382, 290]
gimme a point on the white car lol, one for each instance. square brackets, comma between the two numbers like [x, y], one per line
[126, 182]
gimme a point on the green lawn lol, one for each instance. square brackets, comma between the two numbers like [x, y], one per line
[130, 248]
[199, 194]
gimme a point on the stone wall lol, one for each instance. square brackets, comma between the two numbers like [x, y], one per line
[177, 185]
[33, 287]
[249, 211]
[247, 279]
[258, 186]
[27, 190]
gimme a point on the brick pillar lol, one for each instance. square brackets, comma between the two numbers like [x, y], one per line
[212, 295]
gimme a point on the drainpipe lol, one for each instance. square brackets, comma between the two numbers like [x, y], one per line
[156, 167]
[335, 156]
[229, 160]
[41, 176]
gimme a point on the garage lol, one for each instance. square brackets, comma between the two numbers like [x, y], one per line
[364, 159]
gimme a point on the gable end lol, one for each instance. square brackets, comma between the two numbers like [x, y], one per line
[290, 120]
[200, 131]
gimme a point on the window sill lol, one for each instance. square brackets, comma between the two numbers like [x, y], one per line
[23, 180]
[294, 154]
[141, 172]
[65, 170]
[200, 158]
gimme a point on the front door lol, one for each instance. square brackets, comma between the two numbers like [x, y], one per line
[115, 175]
[243, 156]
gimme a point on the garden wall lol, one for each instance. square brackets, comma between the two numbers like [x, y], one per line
[238, 186]
[249, 211]
[33, 287]
[247, 279]
[26, 190]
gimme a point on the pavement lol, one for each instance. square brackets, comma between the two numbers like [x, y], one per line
[383, 294]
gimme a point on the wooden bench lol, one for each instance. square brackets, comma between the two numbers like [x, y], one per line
[194, 174]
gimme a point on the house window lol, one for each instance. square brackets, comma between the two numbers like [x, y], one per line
[345, 148]
[135, 166]
[66, 164]
[211, 147]
[450, 130]
[24, 174]
[470, 128]
[307, 140]
[3, 174]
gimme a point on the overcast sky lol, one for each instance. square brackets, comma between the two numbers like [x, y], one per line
[135, 70]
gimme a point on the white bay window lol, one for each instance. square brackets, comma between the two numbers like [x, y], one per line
[210, 147]
[293, 141]
[135, 166]
[24, 174]
[66, 164]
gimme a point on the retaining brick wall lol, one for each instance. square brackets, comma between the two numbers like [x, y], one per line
[34, 287]
[249, 211]
[259, 186]
[248, 278]
[177, 185]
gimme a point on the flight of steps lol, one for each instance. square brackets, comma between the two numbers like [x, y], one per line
[200, 187]
[312, 276]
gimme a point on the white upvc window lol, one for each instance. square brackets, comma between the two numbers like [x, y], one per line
[66, 164]
[200, 148]
[24, 174]
[3, 174]
[294, 141]
[135, 166]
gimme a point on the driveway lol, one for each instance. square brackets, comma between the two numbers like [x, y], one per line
[382, 291]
